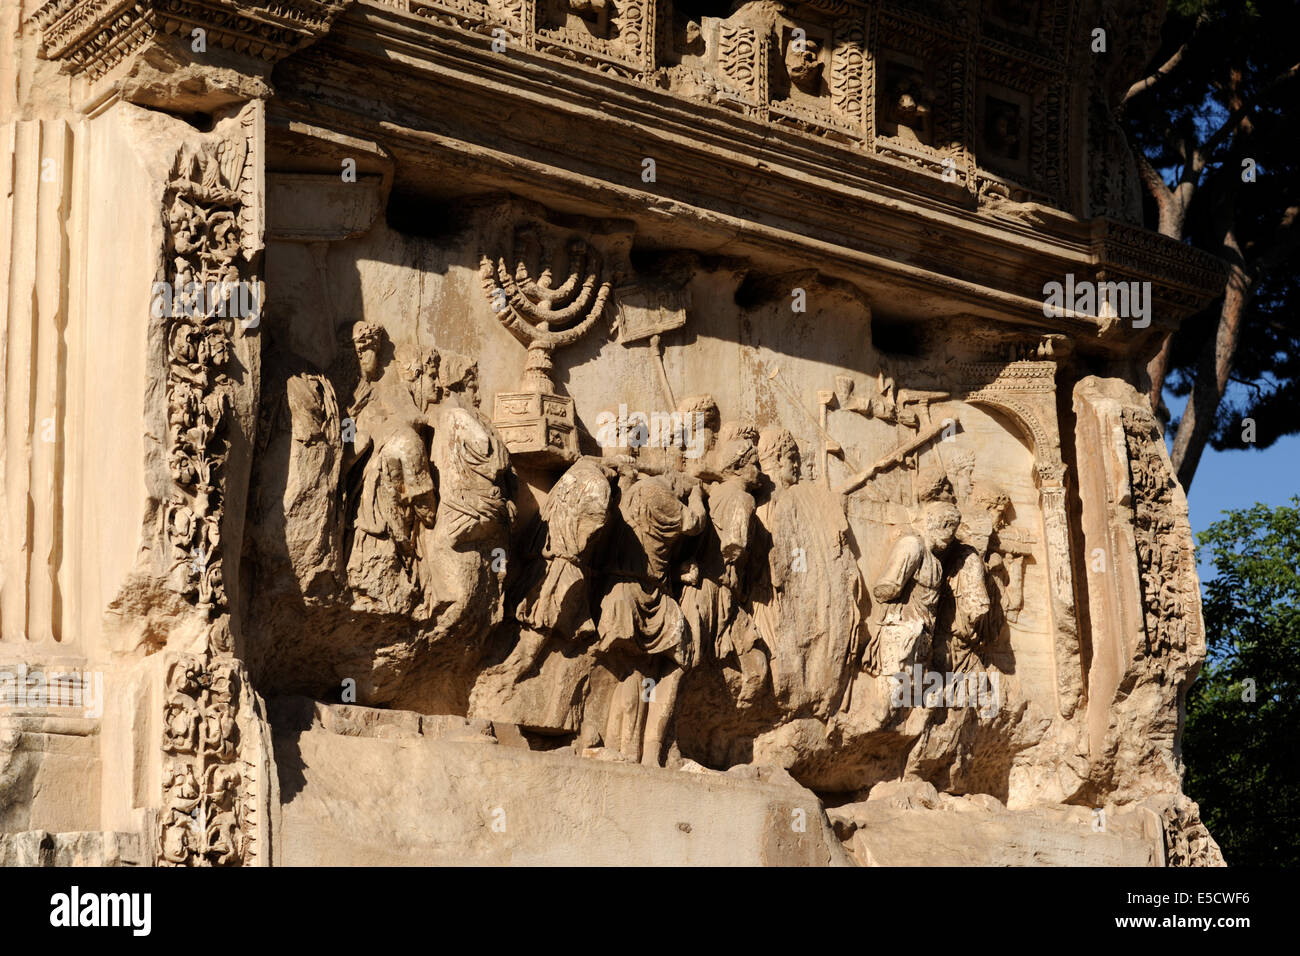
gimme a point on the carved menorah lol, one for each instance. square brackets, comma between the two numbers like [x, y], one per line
[538, 421]
[543, 317]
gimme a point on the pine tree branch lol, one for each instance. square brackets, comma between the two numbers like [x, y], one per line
[1242, 112]
[1142, 85]
[1171, 64]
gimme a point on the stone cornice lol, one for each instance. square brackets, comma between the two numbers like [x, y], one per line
[93, 36]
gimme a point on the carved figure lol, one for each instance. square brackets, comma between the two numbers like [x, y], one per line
[908, 587]
[808, 603]
[396, 491]
[541, 684]
[467, 547]
[714, 602]
[643, 632]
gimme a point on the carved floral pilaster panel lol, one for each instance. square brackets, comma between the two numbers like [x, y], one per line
[208, 310]
[211, 771]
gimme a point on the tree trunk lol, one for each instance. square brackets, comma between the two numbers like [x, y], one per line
[1213, 369]
[1172, 205]
[1156, 370]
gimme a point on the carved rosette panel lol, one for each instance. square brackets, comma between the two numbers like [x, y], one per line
[1035, 89]
[939, 59]
[1042, 29]
[1166, 564]
[210, 779]
[619, 38]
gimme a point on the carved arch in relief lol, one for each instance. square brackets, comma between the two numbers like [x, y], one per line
[1036, 417]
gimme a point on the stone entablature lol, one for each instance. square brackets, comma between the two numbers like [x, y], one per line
[926, 176]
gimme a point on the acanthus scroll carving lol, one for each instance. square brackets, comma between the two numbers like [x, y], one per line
[1166, 564]
[208, 812]
[207, 310]
[206, 282]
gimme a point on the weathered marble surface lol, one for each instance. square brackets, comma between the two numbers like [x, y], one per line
[641, 392]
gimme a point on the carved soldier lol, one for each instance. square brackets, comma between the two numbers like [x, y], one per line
[714, 601]
[908, 587]
[808, 596]
[552, 605]
[985, 586]
[464, 557]
[643, 632]
[396, 489]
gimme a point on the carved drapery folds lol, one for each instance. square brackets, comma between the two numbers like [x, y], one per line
[426, 488]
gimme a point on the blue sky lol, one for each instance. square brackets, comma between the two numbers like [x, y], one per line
[1228, 480]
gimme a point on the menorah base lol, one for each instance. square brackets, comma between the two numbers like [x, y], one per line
[537, 427]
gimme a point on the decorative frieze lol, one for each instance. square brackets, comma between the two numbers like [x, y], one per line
[93, 36]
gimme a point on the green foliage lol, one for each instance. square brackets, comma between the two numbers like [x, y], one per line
[1237, 51]
[1243, 756]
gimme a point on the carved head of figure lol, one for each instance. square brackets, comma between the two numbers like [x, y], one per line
[933, 484]
[988, 514]
[941, 522]
[700, 421]
[576, 510]
[419, 369]
[368, 343]
[991, 499]
[803, 64]
[460, 377]
[736, 452]
[778, 453]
